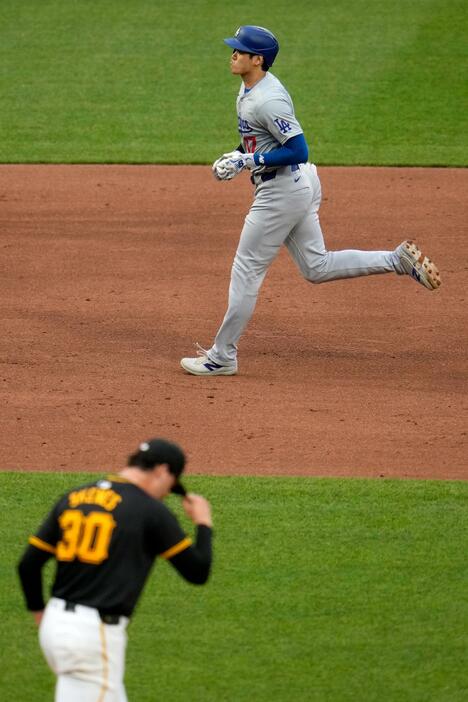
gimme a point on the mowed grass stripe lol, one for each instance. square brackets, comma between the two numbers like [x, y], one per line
[322, 589]
[145, 82]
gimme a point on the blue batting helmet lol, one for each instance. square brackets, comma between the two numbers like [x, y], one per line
[255, 40]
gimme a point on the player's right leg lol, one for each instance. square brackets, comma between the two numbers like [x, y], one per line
[272, 216]
[248, 271]
[266, 226]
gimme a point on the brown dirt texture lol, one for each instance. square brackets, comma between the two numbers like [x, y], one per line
[109, 274]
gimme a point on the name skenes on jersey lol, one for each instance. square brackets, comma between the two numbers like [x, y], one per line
[105, 537]
[266, 118]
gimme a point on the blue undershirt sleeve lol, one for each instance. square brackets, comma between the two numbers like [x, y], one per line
[295, 150]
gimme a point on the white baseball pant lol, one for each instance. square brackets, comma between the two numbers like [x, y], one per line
[86, 655]
[285, 211]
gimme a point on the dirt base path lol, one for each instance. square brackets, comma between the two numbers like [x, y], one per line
[109, 274]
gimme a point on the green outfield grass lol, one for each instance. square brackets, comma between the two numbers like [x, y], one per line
[322, 590]
[379, 82]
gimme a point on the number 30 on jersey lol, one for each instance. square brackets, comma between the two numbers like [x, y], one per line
[85, 536]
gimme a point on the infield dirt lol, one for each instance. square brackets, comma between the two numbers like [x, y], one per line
[109, 274]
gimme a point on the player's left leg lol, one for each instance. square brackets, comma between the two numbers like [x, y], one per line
[95, 669]
[69, 689]
[307, 247]
[318, 265]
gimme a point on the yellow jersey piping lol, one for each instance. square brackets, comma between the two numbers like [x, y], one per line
[105, 663]
[177, 548]
[43, 545]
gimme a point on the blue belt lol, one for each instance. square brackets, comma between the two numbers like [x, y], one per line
[264, 176]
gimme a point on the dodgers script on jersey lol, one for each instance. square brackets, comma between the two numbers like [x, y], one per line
[266, 115]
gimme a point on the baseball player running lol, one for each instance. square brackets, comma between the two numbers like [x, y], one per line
[286, 203]
[105, 537]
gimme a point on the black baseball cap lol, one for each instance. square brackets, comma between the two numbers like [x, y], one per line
[156, 452]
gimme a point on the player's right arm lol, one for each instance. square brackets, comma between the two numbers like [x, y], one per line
[191, 560]
[198, 509]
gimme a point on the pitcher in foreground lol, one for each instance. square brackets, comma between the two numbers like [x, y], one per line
[105, 537]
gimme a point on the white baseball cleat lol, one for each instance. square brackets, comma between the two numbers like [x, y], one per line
[416, 264]
[203, 365]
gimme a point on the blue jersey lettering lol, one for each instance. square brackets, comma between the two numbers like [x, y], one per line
[283, 126]
[244, 126]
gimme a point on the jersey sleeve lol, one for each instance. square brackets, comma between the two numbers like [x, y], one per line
[194, 563]
[277, 116]
[42, 546]
[167, 536]
[48, 535]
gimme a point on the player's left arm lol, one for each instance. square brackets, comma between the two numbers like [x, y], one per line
[277, 116]
[42, 547]
[294, 150]
[30, 575]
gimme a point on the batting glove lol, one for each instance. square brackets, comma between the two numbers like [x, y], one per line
[220, 169]
[232, 163]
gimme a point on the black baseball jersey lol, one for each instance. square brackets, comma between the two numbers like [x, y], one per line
[105, 537]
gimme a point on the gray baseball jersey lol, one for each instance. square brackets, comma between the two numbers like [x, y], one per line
[266, 115]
